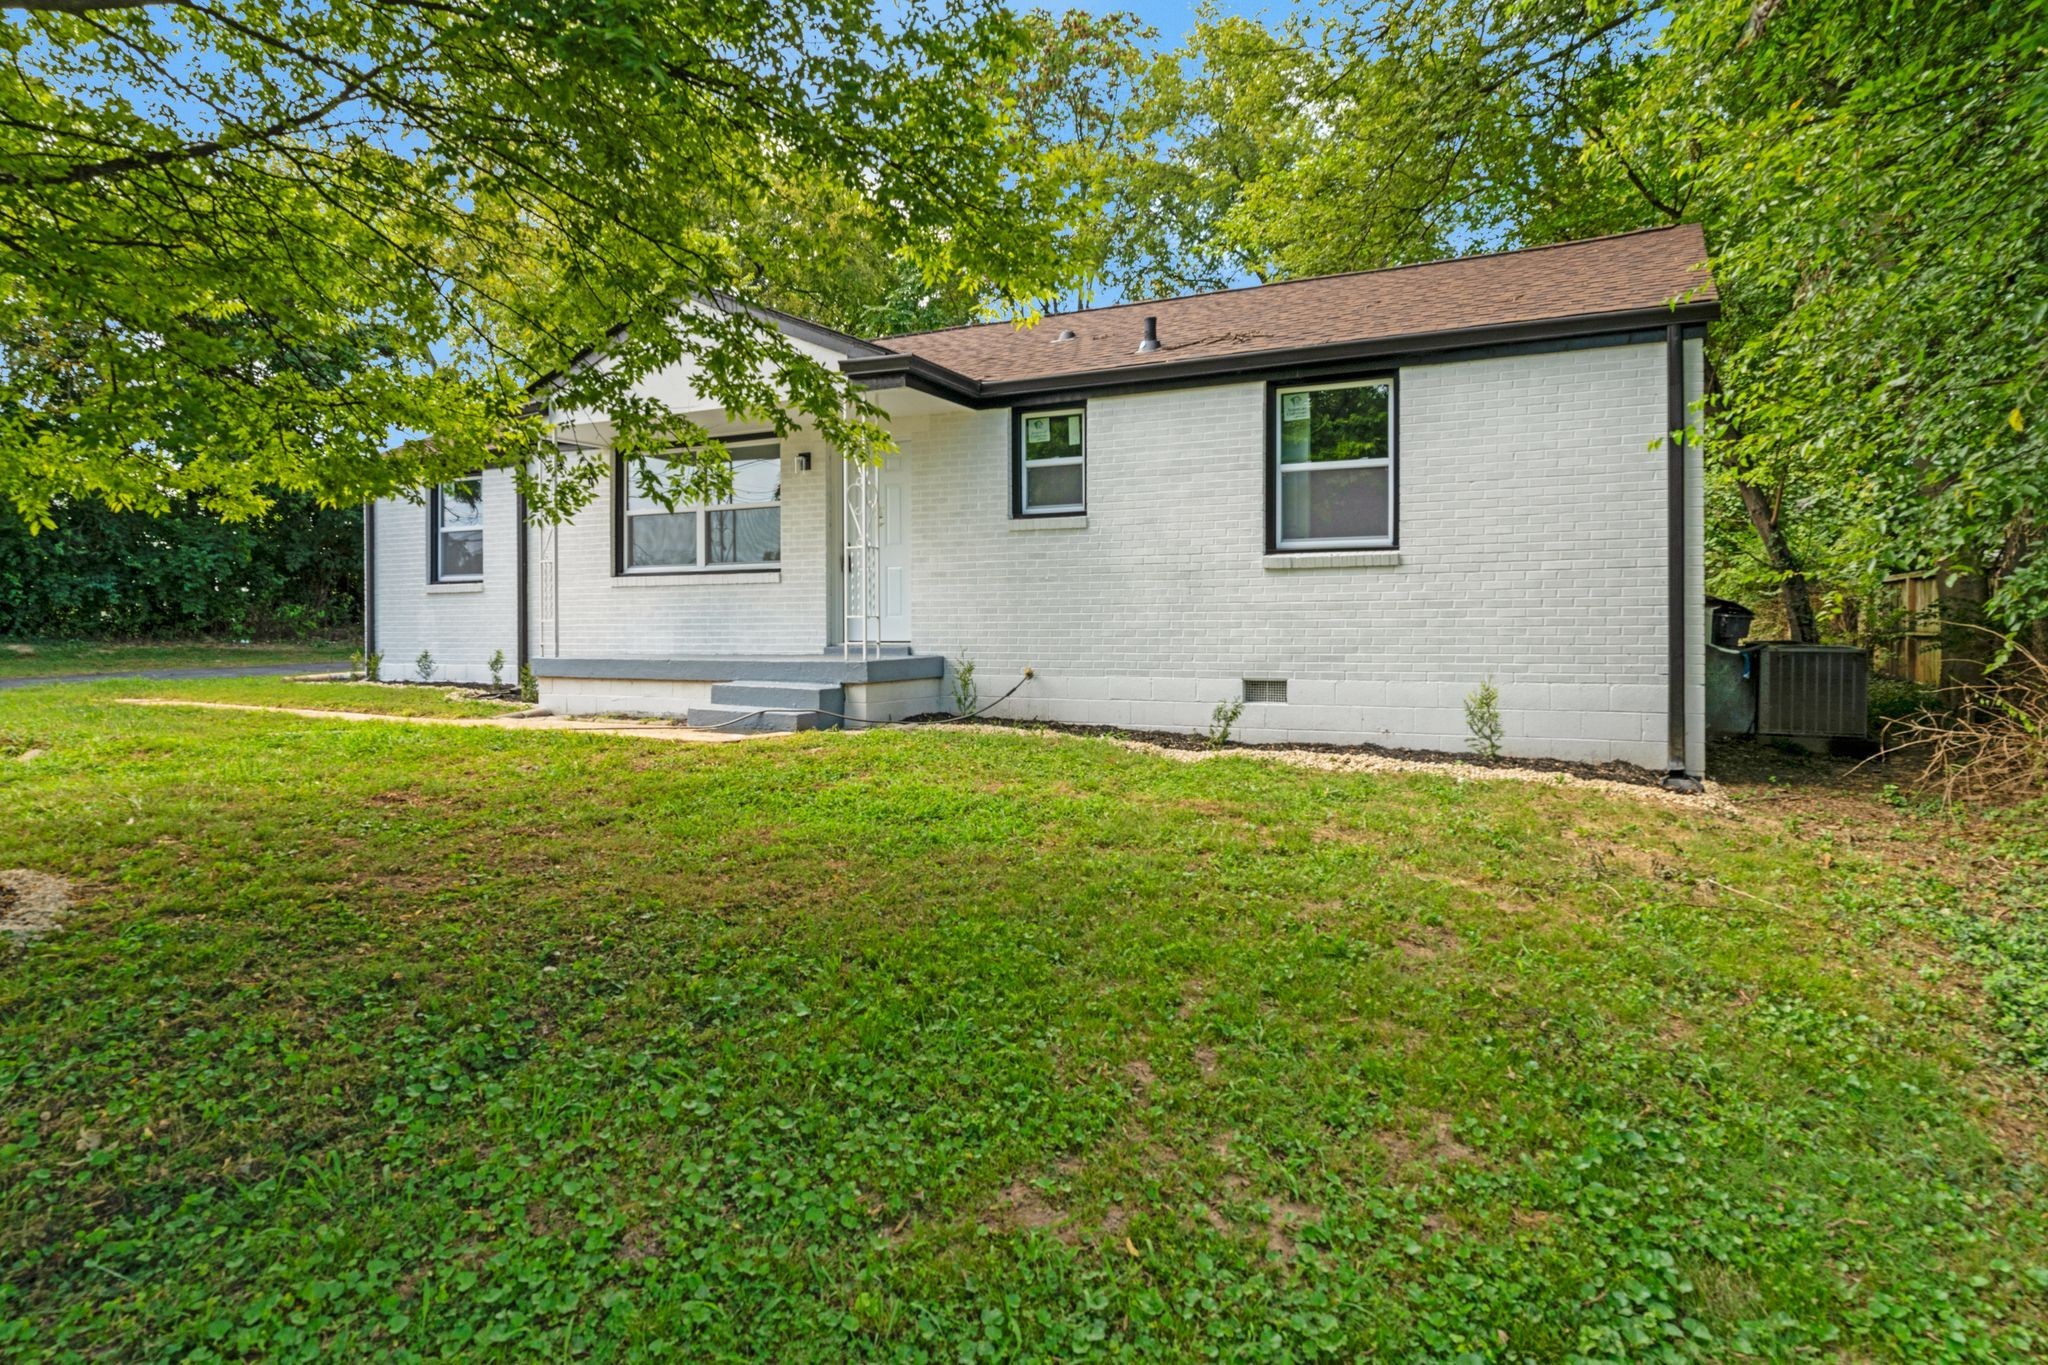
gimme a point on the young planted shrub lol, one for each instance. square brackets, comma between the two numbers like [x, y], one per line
[966, 692]
[498, 669]
[424, 665]
[1223, 719]
[1482, 720]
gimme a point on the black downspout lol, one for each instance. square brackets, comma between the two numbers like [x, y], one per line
[1675, 554]
[369, 580]
[519, 563]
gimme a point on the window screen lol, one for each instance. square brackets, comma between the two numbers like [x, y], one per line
[459, 530]
[1052, 471]
[1334, 452]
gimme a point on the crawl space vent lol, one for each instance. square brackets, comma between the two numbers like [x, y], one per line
[1265, 689]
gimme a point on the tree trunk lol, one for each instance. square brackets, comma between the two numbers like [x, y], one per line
[1793, 590]
[1967, 646]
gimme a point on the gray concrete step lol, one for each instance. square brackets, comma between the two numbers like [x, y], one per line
[785, 696]
[740, 719]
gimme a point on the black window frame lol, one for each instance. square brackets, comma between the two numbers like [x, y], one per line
[1018, 415]
[434, 574]
[1391, 376]
[621, 489]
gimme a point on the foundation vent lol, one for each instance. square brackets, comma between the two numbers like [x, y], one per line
[1265, 690]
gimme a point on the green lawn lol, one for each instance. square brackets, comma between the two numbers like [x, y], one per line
[41, 658]
[425, 1041]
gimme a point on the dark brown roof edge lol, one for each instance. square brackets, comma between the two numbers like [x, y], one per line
[908, 370]
[887, 341]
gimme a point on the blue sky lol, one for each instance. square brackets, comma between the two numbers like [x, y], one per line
[1173, 18]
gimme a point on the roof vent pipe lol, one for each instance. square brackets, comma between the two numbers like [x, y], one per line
[1151, 341]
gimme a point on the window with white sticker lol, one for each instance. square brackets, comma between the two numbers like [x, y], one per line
[458, 517]
[1051, 477]
[1333, 453]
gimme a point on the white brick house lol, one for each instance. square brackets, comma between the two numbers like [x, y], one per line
[1348, 501]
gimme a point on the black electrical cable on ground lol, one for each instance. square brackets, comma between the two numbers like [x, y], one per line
[869, 724]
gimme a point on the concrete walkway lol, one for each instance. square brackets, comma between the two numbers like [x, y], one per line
[173, 674]
[651, 729]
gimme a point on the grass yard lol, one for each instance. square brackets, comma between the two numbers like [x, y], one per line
[45, 658]
[421, 1041]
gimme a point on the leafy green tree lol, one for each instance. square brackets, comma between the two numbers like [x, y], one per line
[454, 199]
[294, 570]
[1214, 118]
[1874, 185]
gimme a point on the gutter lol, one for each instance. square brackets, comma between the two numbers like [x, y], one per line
[369, 580]
[905, 369]
[521, 648]
[1679, 637]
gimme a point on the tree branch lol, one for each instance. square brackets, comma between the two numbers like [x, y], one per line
[86, 173]
[77, 6]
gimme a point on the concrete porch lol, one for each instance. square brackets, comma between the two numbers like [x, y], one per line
[739, 692]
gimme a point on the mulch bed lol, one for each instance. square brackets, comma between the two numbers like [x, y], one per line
[1174, 739]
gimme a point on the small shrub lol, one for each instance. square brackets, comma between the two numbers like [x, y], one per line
[355, 665]
[373, 667]
[498, 669]
[424, 665]
[966, 692]
[1895, 699]
[1223, 719]
[1482, 720]
[529, 686]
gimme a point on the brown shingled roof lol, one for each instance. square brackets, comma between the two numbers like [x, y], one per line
[1633, 273]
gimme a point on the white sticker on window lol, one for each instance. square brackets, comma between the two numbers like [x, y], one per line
[1038, 428]
[1294, 407]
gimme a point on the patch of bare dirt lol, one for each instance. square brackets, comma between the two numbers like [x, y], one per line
[31, 903]
[641, 1243]
[1435, 1147]
[1283, 1221]
[1138, 1072]
[1606, 857]
[1022, 1208]
[1426, 943]
[1677, 1030]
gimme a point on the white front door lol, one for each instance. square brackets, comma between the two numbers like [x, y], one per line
[895, 556]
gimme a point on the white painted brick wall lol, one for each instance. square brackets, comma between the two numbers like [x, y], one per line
[1531, 551]
[458, 623]
[784, 611]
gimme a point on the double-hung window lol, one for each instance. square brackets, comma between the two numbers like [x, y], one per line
[1050, 477]
[457, 520]
[1333, 456]
[742, 531]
